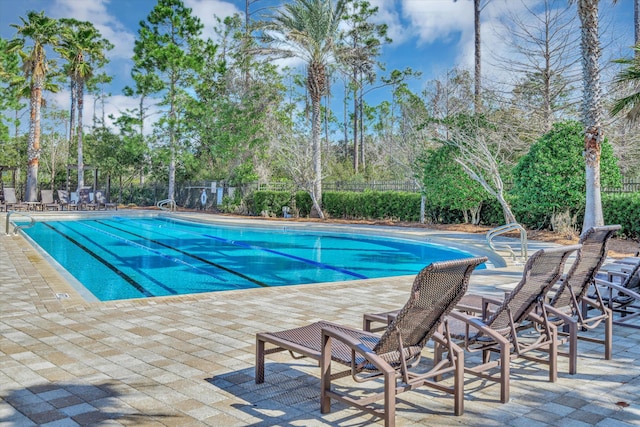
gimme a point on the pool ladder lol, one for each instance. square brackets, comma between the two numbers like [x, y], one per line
[514, 226]
[18, 227]
[167, 205]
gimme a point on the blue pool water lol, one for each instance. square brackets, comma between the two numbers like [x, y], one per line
[137, 257]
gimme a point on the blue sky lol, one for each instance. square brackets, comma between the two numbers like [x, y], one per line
[431, 36]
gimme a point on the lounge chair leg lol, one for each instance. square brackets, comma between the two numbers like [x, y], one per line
[553, 354]
[389, 399]
[325, 375]
[608, 336]
[505, 372]
[259, 361]
[573, 347]
[458, 384]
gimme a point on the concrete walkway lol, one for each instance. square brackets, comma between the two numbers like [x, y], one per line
[189, 361]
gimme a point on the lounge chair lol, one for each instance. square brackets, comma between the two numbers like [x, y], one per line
[568, 309]
[435, 291]
[86, 199]
[621, 293]
[65, 202]
[11, 202]
[101, 199]
[47, 202]
[496, 323]
[500, 326]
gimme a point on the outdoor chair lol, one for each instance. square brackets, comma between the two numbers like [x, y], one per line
[568, 309]
[47, 202]
[390, 357]
[102, 202]
[493, 325]
[620, 292]
[86, 199]
[65, 202]
[11, 202]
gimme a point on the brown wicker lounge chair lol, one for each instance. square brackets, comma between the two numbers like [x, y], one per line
[435, 291]
[499, 327]
[621, 293]
[497, 322]
[568, 309]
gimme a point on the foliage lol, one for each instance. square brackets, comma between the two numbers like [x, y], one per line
[623, 209]
[629, 76]
[551, 177]
[441, 171]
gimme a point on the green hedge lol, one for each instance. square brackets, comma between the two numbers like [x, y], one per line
[623, 209]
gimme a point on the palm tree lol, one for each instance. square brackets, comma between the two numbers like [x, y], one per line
[630, 75]
[592, 109]
[43, 32]
[308, 29]
[83, 47]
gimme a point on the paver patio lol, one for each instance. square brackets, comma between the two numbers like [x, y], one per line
[189, 361]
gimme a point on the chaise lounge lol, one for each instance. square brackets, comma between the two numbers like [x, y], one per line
[390, 357]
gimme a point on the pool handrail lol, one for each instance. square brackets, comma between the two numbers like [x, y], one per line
[513, 226]
[162, 205]
[18, 226]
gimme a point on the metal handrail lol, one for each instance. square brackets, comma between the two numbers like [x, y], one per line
[162, 205]
[21, 226]
[514, 226]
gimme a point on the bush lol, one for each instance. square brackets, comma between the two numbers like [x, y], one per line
[623, 209]
[550, 179]
[443, 172]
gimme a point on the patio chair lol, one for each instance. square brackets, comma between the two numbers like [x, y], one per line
[568, 308]
[500, 325]
[65, 202]
[11, 202]
[47, 202]
[435, 291]
[102, 202]
[86, 199]
[621, 293]
[498, 322]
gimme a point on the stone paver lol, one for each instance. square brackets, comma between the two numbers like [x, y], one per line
[189, 361]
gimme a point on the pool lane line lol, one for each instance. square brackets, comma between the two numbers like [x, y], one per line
[124, 260]
[282, 254]
[199, 258]
[106, 263]
[153, 251]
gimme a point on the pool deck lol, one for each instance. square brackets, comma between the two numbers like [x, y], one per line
[189, 361]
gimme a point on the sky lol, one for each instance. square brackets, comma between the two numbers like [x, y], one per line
[430, 36]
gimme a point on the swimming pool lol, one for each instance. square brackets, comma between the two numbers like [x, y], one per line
[123, 257]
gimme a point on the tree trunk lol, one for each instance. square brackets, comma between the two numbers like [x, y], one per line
[80, 88]
[592, 111]
[316, 195]
[356, 152]
[478, 77]
[33, 148]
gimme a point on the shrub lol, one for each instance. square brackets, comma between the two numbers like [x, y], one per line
[550, 178]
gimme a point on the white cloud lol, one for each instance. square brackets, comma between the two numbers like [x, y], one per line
[432, 20]
[388, 14]
[207, 9]
[96, 11]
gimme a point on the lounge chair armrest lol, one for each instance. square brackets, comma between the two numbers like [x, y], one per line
[558, 313]
[619, 288]
[356, 346]
[478, 324]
